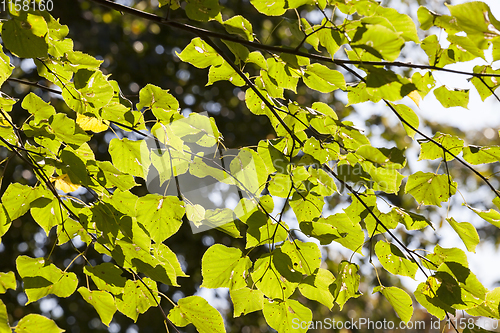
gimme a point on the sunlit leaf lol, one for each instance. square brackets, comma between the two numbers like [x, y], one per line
[400, 301]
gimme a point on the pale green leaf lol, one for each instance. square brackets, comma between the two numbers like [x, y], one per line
[18, 198]
[239, 25]
[224, 267]
[129, 156]
[42, 278]
[466, 232]
[430, 188]
[200, 54]
[246, 300]
[323, 79]
[196, 310]
[480, 155]
[284, 316]
[400, 301]
[317, 287]
[393, 260]
[7, 281]
[107, 277]
[449, 98]
[274, 275]
[347, 283]
[137, 298]
[161, 216]
[4, 319]
[5, 66]
[305, 256]
[103, 303]
[158, 100]
[36, 323]
[378, 41]
[270, 7]
[203, 10]
[430, 151]
[26, 36]
[410, 117]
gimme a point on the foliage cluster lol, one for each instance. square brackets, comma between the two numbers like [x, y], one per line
[311, 158]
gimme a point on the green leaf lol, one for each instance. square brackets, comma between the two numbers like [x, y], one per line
[161, 216]
[4, 319]
[284, 316]
[196, 310]
[109, 176]
[249, 171]
[203, 10]
[36, 323]
[323, 79]
[378, 41]
[492, 216]
[393, 260]
[270, 7]
[474, 17]
[307, 207]
[425, 17]
[262, 230]
[274, 275]
[254, 103]
[158, 100]
[5, 66]
[246, 300]
[347, 283]
[339, 228]
[107, 277]
[224, 267]
[5, 221]
[26, 37]
[480, 155]
[38, 107]
[155, 265]
[430, 188]
[129, 156]
[441, 255]
[239, 25]
[467, 232]
[48, 213]
[66, 130]
[330, 38]
[7, 281]
[400, 301]
[200, 54]
[305, 256]
[430, 151]
[138, 297]
[490, 307]
[18, 199]
[410, 117]
[425, 297]
[103, 303]
[42, 278]
[410, 220]
[401, 23]
[224, 72]
[449, 98]
[285, 76]
[317, 287]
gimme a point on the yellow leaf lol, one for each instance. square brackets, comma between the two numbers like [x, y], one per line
[64, 184]
[415, 96]
[91, 124]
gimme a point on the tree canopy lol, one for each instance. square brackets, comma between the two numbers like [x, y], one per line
[166, 149]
